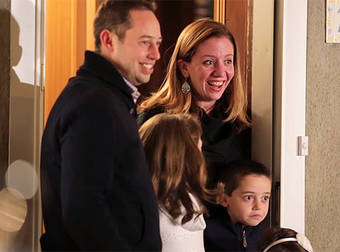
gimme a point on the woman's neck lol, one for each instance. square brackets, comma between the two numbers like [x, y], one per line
[206, 106]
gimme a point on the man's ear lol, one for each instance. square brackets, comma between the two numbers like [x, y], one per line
[107, 40]
[183, 67]
[223, 200]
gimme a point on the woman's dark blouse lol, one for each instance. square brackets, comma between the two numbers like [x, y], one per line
[222, 142]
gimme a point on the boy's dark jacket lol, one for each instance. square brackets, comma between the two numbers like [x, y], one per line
[222, 235]
[96, 190]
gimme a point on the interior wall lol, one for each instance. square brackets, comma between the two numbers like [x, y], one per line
[322, 127]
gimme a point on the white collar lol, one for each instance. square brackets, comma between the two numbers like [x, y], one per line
[135, 94]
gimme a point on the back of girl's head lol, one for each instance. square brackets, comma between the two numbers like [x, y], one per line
[277, 239]
[175, 162]
[235, 171]
[170, 141]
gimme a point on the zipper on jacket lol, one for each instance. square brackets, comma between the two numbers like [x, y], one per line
[244, 237]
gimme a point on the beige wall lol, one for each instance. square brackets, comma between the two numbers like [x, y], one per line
[323, 129]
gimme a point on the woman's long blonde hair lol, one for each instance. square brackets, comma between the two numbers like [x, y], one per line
[175, 162]
[234, 100]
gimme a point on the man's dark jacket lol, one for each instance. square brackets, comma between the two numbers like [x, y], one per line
[221, 234]
[96, 190]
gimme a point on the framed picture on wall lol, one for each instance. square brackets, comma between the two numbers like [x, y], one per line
[333, 21]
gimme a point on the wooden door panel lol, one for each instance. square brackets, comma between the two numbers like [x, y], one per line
[239, 22]
[58, 49]
[69, 32]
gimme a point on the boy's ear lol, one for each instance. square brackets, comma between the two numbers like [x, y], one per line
[183, 67]
[223, 200]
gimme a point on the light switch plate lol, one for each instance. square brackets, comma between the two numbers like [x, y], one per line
[302, 145]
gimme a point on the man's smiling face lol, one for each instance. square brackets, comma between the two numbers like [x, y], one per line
[136, 54]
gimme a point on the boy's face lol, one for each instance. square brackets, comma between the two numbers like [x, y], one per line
[249, 202]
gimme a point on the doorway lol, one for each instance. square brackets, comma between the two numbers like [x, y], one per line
[68, 33]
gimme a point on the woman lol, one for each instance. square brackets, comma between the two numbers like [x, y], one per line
[203, 78]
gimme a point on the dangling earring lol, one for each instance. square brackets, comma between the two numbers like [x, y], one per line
[185, 87]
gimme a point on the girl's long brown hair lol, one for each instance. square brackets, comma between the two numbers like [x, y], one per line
[176, 164]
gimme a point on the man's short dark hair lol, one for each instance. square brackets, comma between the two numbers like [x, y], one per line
[114, 15]
[235, 171]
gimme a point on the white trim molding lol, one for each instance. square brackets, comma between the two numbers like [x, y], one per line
[290, 108]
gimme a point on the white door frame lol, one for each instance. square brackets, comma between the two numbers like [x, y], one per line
[290, 109]
[277, 125]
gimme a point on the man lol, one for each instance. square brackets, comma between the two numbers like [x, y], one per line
[96, 190]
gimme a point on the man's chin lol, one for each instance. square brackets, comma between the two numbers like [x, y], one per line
[143, 80]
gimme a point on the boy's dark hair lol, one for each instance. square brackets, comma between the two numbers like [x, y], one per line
[235, 171]
[114, 15]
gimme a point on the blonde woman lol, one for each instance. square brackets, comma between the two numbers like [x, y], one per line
[204, 79]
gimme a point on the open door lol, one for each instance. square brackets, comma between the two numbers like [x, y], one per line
[275, 134]
[252, 24]
[69, 32]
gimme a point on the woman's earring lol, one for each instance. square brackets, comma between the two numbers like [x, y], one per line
[185, 87]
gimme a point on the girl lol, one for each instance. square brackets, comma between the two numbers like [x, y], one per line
[172, 144]
[277, 239]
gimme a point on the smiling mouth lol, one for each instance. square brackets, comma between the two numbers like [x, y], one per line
[148, 66]
[216, 83]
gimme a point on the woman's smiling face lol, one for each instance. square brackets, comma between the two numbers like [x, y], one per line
[210, 71]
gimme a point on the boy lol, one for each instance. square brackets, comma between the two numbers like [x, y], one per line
[245, 192]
